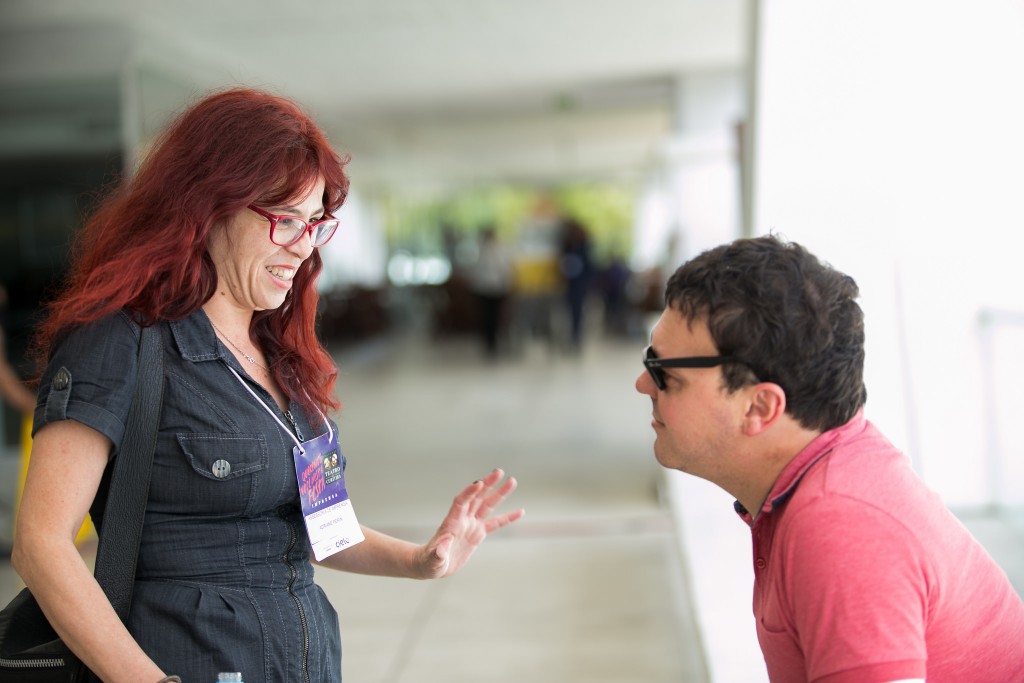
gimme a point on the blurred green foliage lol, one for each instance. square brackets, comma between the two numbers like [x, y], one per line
[417, 224]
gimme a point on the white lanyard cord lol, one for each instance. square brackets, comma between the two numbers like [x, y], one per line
[327, 422]
[269, 411]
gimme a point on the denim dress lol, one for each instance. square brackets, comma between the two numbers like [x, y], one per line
[224, 580]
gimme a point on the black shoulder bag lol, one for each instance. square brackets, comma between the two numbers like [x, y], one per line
[30, 650]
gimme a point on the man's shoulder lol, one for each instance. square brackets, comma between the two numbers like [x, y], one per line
[869, 491]
[866, 467]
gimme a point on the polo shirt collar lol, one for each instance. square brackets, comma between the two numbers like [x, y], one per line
[791, 475]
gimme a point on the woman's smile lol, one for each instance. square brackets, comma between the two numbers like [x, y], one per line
[283, 274]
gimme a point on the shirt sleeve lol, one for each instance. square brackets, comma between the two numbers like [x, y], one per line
[90, 377]
[857, 592]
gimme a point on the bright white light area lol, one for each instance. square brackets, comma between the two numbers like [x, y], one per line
[357, 253]
[405, 269]
[691, 200]
[889, 141]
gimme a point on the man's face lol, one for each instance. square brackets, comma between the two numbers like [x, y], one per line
[696, 420]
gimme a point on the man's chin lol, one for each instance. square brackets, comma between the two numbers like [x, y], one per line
[663, 458]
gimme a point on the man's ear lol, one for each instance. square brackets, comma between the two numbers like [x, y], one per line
[766, 405]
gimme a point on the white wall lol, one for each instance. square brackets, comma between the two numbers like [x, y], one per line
[889, 140]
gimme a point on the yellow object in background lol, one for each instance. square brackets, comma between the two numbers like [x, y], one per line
[87, 532]
[537, 276]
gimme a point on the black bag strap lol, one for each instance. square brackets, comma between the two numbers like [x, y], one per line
[125, 507]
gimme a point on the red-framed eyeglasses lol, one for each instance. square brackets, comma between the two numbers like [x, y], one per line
[287, 230]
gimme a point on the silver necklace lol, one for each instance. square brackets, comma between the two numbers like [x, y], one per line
[236, 348]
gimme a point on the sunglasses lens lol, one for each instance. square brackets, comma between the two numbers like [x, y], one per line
[657, 374]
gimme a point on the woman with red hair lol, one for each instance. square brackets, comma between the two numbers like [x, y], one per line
[215, 243]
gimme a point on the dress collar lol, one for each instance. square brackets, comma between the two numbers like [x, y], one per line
[195, 338]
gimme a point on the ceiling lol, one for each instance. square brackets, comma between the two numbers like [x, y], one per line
[421, 93]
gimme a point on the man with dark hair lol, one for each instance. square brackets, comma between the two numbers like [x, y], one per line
[755, 373]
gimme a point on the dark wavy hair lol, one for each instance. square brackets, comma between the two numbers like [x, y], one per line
[793, 319]
[144, 249]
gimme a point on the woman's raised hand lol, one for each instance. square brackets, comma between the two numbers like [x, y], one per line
[468, 523]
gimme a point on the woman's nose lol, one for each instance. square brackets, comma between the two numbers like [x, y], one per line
[303, 247]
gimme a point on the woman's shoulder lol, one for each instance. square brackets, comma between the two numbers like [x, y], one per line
[109, 341]
[121, 322]
[91, 375]
[116, 327]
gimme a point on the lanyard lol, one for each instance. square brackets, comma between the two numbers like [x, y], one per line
[274, 415]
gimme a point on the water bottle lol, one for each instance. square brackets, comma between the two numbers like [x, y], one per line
[231, 677]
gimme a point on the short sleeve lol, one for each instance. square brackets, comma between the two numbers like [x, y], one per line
[857, 589]
[90, 377]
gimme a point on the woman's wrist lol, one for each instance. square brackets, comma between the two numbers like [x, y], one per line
[170, 679]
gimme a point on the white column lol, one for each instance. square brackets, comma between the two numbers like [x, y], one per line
[691, 201]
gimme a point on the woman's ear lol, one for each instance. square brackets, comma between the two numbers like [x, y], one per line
[766, 406]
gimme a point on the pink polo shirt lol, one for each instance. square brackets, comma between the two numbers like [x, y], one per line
[862, 575]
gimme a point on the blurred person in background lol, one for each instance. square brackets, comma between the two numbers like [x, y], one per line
[538, 281]
[492, 278]
[861, 573]
[15, 393]
[577, 269]
[615, 277]
[13, 390]
[215, 243]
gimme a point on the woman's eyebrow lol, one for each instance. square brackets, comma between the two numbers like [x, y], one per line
[295, 209]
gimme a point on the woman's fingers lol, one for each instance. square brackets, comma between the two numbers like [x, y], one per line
[504, 520]
[489, 502]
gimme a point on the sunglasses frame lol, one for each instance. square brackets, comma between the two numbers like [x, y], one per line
[656, 366]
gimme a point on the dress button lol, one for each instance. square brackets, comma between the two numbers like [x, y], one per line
[221, 469]
[61, 379]
[760, 563]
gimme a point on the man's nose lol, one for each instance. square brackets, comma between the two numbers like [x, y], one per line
[644, 384]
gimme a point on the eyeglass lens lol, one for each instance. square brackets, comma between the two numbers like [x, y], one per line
[288, 230]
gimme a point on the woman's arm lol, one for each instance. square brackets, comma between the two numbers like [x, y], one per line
[64, 473]
[463, 529]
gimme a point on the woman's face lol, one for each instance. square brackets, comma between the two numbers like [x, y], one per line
[253, 273]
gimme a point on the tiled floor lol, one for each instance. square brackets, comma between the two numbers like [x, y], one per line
[589, 586]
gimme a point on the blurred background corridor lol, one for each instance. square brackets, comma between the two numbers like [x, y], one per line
[525, 176]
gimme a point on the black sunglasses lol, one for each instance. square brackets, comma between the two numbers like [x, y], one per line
[656, 366]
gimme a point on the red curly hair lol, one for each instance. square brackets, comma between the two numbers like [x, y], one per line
[144, 249]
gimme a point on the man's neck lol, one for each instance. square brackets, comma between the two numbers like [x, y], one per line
[770, 459]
